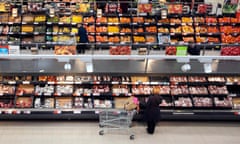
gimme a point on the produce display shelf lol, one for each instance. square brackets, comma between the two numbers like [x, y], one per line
[12, 114]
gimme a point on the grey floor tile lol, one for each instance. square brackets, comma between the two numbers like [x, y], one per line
[74, 132]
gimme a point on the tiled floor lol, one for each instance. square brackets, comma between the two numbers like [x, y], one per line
[79, 132]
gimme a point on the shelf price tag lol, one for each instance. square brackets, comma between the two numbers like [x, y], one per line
[26, 82]
[96, 94]
[154, 83]
[78, 82]
[86, 94]
[57, 112]
[237, 113]
[96, 82]
[77, 111]
[51, 82]
[146, 83]
[27, 112]
[115, 82]
[181, 50]
[12, 82]
[97, 111]
[8, 111]
[125, 82]
[47, 94]
[16, 112]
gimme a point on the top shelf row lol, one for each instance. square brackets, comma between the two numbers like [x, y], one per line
[78, 18]
[96, 79]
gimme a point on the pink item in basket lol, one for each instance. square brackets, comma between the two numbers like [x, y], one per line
[135, 100]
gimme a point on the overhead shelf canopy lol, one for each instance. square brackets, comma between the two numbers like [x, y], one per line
[134, 64]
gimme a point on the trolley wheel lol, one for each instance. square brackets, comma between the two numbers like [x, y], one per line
[100, 125]
[131, 137]
[101, 132]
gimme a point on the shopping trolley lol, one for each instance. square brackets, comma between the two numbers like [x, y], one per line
[114, 119]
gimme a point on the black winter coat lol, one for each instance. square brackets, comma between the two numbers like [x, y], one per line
[82, 33]
[152, 111]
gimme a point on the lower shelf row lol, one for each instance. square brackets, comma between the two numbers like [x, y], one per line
[223, 102]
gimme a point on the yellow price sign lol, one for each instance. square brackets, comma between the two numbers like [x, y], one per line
[2, 7]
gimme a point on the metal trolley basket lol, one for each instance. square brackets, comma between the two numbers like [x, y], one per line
[115, 119]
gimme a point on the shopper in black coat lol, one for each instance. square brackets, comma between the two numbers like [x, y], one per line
[82, 33]
[152, 112]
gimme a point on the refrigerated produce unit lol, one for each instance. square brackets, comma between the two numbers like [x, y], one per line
[43, 89]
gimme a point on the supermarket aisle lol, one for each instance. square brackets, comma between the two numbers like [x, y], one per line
[74, 132]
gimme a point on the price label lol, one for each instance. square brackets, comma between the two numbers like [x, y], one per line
[77, 112]
[9, 112]
[27, 112]
[57, 112]
[96, 82]
[154, 83]
[11, 82]
[114, 94]
[26, 82]
[47, 94]
[237, 113]
[86, 94]
[51, 82]
[115, 82]
[68, 82]
[78, 82]
[229, 83]
[96, 94]
[97, 112]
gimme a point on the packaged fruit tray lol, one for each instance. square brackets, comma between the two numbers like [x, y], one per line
[24, 102]
[24, 89]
